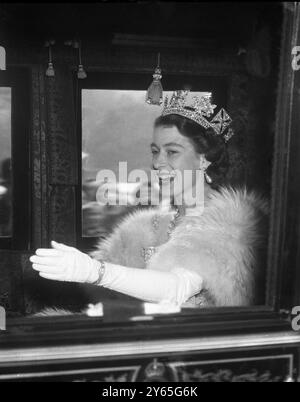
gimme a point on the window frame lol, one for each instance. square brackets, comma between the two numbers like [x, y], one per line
[18, 79]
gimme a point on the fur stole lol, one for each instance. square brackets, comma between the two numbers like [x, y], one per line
[224, 244]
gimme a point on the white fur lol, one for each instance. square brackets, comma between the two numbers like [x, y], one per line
[53, 312]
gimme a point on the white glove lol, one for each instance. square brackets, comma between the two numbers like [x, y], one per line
[175, 286]
[63, 263]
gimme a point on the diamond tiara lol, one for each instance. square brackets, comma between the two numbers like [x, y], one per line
[198, 111]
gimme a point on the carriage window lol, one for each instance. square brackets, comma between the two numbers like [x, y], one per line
[116, 126]
[111, 133]
[5, 163]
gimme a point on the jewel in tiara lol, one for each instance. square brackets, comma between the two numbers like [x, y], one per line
[199, 110]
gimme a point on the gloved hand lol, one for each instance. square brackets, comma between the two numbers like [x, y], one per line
[64, 263]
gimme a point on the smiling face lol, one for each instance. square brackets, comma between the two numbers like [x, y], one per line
[172, 151]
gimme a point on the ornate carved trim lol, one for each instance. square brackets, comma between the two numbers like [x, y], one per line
[39, 158]
[268, 368]
[193, 371]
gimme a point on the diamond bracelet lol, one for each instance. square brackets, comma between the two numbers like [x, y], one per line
[101, 271]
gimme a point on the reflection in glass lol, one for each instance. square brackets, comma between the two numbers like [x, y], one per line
[5, 163]
[117, 126]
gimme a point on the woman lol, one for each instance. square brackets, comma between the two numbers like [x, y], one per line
[189, 256]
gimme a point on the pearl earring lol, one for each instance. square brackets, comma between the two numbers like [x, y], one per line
[207, 178]
[204, 164]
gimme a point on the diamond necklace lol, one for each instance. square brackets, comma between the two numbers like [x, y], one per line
[147, 252]
[173, 222]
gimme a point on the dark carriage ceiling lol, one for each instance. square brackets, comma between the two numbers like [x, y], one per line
[229, 21]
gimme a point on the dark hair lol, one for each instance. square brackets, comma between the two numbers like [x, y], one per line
[205, 142]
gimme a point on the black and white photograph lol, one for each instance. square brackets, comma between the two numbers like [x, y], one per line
[150, 194]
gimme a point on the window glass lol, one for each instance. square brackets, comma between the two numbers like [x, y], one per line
[117, 127]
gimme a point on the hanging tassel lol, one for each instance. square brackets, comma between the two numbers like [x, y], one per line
[50, 70]
[155, 91]
[81, 74]
[76, 44]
